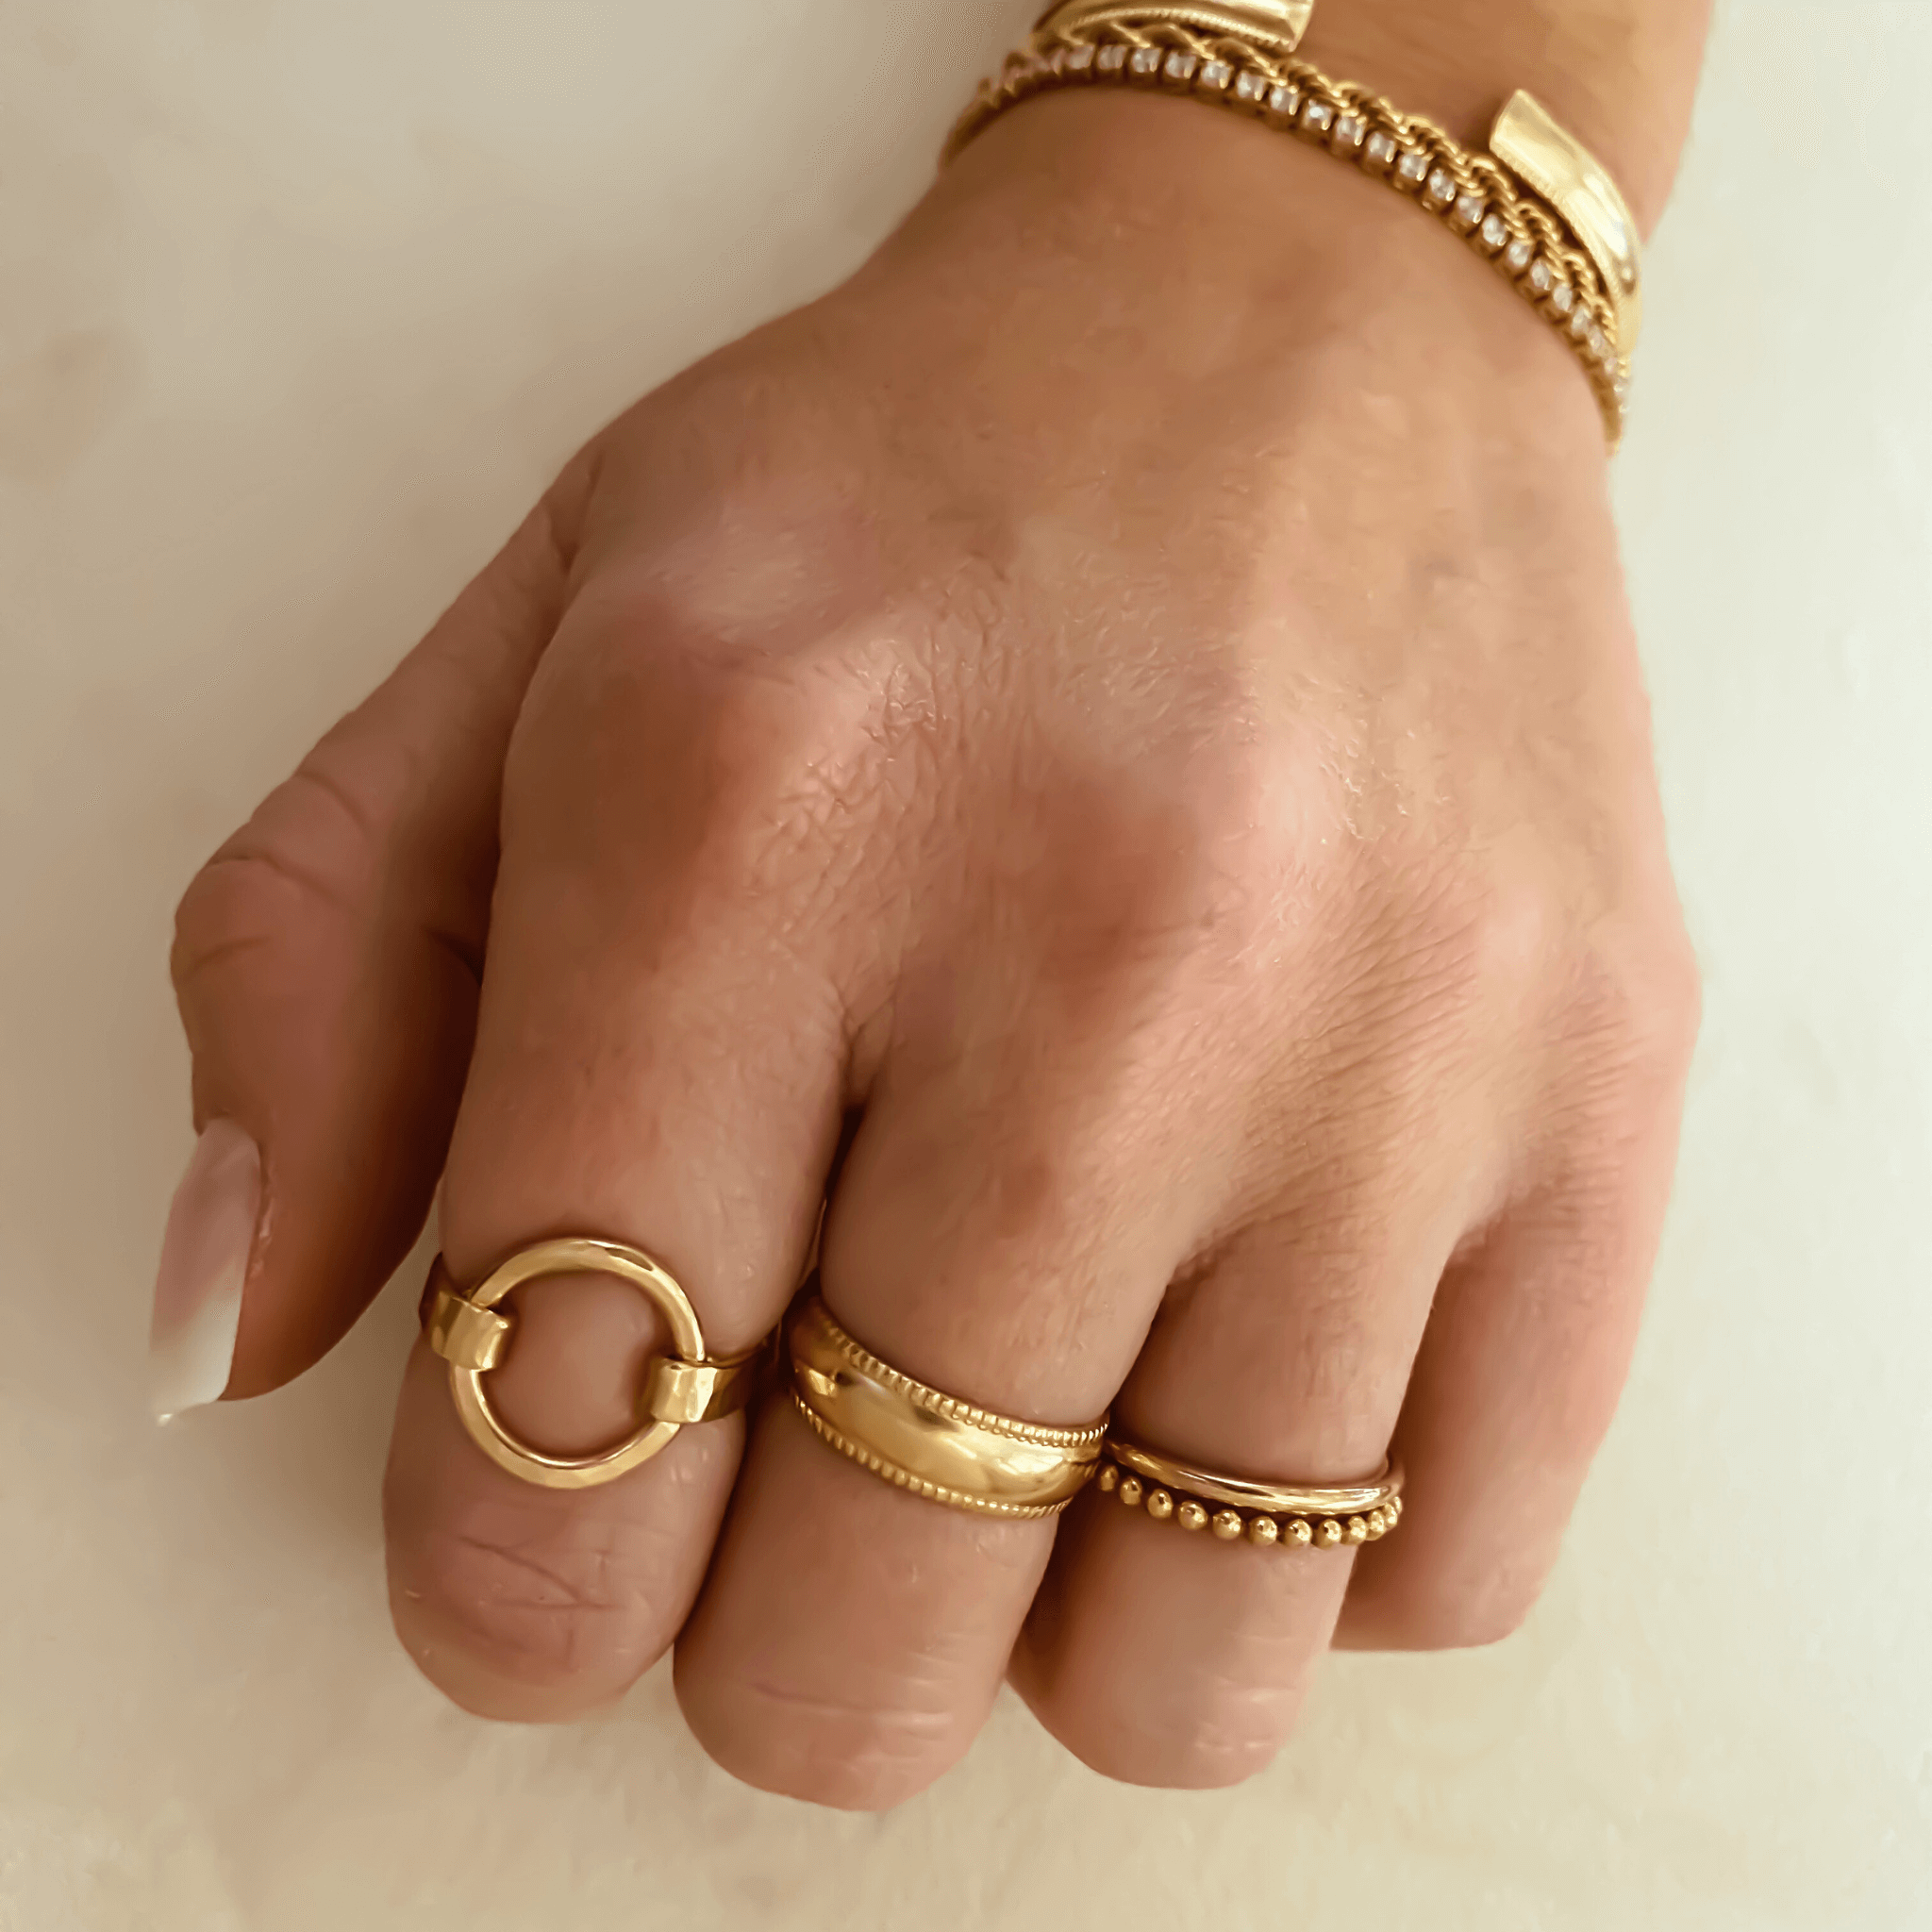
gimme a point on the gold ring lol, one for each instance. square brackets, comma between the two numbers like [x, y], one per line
[924, 1440]
[1295, 1515]
[468, 1331]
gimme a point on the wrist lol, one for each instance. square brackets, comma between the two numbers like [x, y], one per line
[1620, 74]
[1165, 242]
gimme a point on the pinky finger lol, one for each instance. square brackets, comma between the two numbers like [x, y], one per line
[1519, 1374]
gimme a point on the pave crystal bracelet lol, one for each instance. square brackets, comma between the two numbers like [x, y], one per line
[1538, 205]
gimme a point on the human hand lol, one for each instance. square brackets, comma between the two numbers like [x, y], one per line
[1133, 716]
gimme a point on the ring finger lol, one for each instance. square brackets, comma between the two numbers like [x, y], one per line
[1170, 1658]
[1001, 1232]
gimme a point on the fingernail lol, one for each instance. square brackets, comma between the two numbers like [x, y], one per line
[204, 1264]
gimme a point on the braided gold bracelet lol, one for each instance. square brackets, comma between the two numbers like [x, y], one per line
[1537, 206]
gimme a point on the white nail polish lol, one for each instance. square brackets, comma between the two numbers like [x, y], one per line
[203, 1266]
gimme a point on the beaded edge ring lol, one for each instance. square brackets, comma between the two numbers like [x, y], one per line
[1307, 1526]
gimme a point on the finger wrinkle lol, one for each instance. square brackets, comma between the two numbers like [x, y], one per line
[557, 1619]
[280, 867]
[1201, 1756]
[853, 1756]
[314, 772]
[903, 1720]
[593, 1591]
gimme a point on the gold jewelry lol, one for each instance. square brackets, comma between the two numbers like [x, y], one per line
[469, 1331]
[1278, 23]
[1295, 1515]
[1538, 205]
[921, 1440]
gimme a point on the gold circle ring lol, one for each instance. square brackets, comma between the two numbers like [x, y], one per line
[468, 1329]
[927, 1441]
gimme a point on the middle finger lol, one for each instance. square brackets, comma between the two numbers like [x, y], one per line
[1007, 1220]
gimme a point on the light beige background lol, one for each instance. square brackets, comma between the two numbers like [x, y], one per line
[299, 304]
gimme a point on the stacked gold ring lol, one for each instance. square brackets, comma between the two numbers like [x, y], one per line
[922, 1439]
[1294, 1515]
[950, 1451]
[917, 1437]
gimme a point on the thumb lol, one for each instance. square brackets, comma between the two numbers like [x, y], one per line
[326, 962]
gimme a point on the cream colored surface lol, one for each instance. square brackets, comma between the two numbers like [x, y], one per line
[302, 303]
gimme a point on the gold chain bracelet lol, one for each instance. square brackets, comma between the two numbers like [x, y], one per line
[1579, 273]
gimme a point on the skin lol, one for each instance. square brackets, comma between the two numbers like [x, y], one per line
[1113, 745]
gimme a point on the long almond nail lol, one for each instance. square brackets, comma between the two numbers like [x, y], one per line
[204, 1263]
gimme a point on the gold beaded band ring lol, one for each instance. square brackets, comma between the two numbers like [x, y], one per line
[1538, 205]
[919, 1439]
[471, 1333]
[1294, 1515]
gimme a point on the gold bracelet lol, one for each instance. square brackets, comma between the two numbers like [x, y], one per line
[1543, 210]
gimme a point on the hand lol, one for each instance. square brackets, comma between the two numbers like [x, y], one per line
[1118, 730]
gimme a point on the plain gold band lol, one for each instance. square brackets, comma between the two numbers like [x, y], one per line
[471, 1333]
[1277, 1499]
[921, 1439]
[1236, 1508]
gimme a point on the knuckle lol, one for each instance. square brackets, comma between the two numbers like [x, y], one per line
[755, 762]
[794, 768]
[301, 863]
[1638, 1002]
[1516, 927]
[1144, 868]
[1475, 935]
